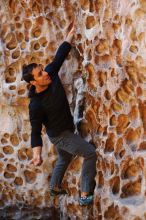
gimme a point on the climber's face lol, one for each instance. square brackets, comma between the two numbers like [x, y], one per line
[41, 77]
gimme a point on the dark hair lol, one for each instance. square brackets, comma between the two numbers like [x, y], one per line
[27, 71]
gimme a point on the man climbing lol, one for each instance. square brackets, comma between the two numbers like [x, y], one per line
[49, 107]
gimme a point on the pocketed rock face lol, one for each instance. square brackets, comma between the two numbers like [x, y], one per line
[106, 74]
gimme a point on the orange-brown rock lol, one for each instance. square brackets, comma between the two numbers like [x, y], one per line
[14, 139]
[107, 95]
[113, 120]
[128, 87]
[9, 37]
[112, 212]
[132, 168]
[8, 149]
[132, 188]
[22, 154]
[109, 146]
[132, 135]
[11, 168]
[19, 197]
[21, 91]
[43, 41]
[73, 191]
[117, 44]
[10, 79]
[131, 171]
[6, 135]
[143, 5]
[36, 46]
[11, 45]
[29, 153]
[122, 123]
[102, 78]
[30, 176]
[37, 201]
[1, 167]
[119, 149]
[142, 146]
[141, 36]
[139, 13]
[16, 54]
[47, 197]
[19, 36]
[142, 109]
[132, 73]
[7, 53]
[133, 49]
[36, 32]
[102, 47]
[23, 45]
[75, 165]
[100, 179]
[27, 23]
[25, 137]
[116, 26]
[92, 76]
[8, 175]
[12, 87]
[84, 4]
[133, 114]
[90, 22]
[122, 96]
[116, 107]
[91, 118]
[1, 155]
[133, 35]
[18, 181]
[4, 141]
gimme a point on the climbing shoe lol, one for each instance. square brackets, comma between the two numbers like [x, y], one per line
[59, 192]
[86, 200]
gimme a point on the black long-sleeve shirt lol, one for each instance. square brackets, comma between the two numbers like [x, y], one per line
[50, 107]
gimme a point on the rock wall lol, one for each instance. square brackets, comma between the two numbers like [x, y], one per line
[106, 74]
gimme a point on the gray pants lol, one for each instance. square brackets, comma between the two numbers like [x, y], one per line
[68, 145]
